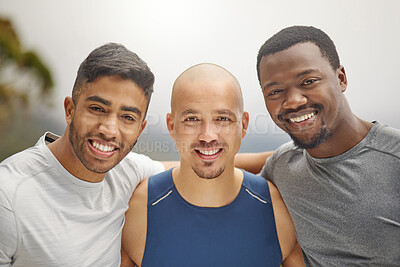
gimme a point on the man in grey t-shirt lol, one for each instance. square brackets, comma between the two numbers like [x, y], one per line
[340, 177]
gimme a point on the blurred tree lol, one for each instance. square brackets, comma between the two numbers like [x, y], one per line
[13, 58]
[24, 81]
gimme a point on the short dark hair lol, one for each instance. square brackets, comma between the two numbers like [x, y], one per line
[113, 59]
[290, 36]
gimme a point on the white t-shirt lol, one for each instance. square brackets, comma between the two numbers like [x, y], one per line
[48, 217]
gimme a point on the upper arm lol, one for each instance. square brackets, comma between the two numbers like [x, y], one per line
[135, 228]
[284, 224]
[295, 259]
[8, 232]
[126, 261]
[252, 162]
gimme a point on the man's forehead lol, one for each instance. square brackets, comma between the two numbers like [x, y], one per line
[301, 51]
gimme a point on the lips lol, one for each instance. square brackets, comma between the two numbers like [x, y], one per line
[209, 154]
[302, 118]
[102, 149]
[301, 122]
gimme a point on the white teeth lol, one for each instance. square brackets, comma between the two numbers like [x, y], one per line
[302, 118]
[209, 152]
[101, 147]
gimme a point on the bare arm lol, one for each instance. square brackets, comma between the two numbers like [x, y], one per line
[285, 229]
[126, 260]
[252, 162]
[135, 228]
[295, 258]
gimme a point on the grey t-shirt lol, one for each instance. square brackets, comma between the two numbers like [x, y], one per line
[346, 209]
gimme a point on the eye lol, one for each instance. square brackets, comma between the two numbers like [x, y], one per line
[191, 119]
[274, 93]
[129, 118]
[309, 81]
[223, 119]
[97, 108]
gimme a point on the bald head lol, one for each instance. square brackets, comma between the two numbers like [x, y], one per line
[205, 74]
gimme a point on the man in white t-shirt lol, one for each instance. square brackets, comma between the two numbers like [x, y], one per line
[62, 202]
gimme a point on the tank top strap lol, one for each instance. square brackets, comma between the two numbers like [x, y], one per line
[159, 185]
[257, 186]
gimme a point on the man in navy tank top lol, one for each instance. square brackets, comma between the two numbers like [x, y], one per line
[206, 212]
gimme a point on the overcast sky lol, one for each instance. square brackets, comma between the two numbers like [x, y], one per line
[174, 35]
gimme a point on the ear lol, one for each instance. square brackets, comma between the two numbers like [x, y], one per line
[342, 78]
[245, 123]
[69, 108]
[144, 123]
[170, 125]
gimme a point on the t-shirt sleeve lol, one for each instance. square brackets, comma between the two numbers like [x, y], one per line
[8, 232]
[266, 171]
[270, 170]
[146, 167]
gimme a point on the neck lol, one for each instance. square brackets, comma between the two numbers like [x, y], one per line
[345, 136]
[202, 192]
[64, 153]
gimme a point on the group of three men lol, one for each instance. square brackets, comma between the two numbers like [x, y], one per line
[63, 201]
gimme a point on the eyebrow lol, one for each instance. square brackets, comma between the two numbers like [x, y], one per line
[305, 72]
[219, 112]
[132, 109]
[96, 98]
[270, 84]
[226, 112]
[297, 76]
[188, 111]
[99, 99]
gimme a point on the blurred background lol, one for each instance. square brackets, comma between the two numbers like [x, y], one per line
[42, 43]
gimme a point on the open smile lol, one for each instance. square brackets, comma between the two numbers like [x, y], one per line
[303, 118]
[300, 119]
[102, 149]
[209, 154]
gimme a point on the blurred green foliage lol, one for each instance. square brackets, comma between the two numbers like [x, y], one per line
[16, 121]
[11, 52]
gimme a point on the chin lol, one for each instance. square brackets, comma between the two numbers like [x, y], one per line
[313, 142]
[209, 174]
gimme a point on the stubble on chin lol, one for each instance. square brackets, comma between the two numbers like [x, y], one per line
[206, 172]
[313, 142]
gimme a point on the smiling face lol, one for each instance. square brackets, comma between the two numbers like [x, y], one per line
[105, 122]
[303, 94]
[207, 123]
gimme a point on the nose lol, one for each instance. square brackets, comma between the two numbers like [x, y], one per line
[209, 132]
[294, 98]
[109, 126]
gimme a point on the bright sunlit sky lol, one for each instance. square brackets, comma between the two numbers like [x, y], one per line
[174, 35]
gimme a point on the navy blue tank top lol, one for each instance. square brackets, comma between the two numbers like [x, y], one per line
[241, 233]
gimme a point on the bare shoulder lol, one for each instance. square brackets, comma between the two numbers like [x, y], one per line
[137, 204]
[283, 222]
[135, 228]
[140, 193]
[278, 204]
[273, 191]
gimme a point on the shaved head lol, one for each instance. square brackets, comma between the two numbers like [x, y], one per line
[207, 121]
[203, 73]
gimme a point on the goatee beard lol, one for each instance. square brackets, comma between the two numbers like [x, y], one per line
[314, 142]
[209, 175]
